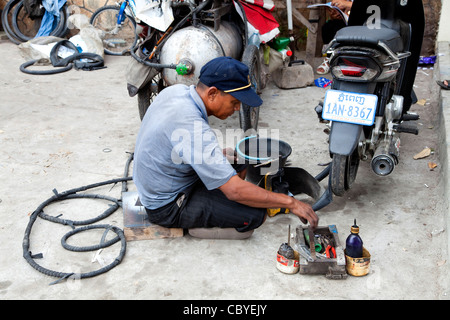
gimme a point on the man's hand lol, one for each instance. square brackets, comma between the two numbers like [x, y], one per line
[231, 155]
[305, 212]
[344, 5]
[249, 194]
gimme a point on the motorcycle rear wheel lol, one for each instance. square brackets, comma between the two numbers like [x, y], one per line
[343, 172]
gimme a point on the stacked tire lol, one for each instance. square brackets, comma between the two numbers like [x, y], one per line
[15, 19]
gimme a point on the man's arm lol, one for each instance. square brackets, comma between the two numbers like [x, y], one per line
[249, 194]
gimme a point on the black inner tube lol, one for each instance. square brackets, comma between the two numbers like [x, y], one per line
[62, 65]
[24, 66]
[73, 194]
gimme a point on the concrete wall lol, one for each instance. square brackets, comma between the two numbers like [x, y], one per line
[444, 27]
[432, 10]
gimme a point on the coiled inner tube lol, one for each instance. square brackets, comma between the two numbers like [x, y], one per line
[97, 60]
[71, 194]
[24, 66]
[102, 244]
[62, 65]
[85, 225]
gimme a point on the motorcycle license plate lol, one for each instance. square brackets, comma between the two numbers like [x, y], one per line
[350, 107]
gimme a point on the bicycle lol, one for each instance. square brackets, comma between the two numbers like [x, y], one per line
[118, 22]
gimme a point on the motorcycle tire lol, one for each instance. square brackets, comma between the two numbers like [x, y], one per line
[249, 116]
[343, 172]
[147, 93]
[105, 19]
[353, 165]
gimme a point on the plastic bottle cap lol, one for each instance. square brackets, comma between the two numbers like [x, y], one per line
[289, 53]
[355, 228]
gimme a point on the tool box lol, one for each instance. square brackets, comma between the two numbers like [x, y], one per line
[296, 74]
[330, 263]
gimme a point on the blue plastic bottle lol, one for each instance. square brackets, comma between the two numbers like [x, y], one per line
[255, 39]
[354, 243]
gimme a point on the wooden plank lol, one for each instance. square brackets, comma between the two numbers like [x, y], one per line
[312, 19]
[151, 232]
[312, 28]
[311, 42]
[136, 223]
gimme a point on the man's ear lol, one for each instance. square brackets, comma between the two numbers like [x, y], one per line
[212, 93]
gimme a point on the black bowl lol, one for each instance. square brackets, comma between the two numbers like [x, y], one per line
[264, 156]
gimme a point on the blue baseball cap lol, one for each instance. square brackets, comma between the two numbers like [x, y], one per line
[230, 76]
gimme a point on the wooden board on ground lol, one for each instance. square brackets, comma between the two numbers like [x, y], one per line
[136, 223]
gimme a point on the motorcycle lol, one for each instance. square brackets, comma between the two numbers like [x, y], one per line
[373, 62]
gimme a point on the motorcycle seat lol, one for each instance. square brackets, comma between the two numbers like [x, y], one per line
[364, 36]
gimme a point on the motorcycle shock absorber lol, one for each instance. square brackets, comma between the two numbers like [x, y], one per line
[384, 98]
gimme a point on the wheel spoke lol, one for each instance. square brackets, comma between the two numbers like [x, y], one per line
[119, 37]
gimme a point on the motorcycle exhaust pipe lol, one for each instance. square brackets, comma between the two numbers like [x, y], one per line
[386, 157]
[383, 164]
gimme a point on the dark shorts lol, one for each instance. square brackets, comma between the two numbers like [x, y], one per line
[199, 207]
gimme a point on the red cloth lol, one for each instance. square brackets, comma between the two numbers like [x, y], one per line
[260, 18]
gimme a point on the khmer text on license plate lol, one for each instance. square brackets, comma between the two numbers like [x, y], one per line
[350, 107]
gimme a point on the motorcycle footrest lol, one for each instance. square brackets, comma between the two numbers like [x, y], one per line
[407, 128]
[410, 117]
[319, 109]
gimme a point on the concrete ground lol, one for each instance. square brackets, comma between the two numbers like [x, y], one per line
[77, 128]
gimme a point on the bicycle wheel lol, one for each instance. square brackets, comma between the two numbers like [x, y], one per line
[119, 38]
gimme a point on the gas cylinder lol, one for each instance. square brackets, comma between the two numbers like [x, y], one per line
[195, 46]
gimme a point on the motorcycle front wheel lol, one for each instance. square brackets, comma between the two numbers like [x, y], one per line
[148, 93]
[343, 172]
[119, 38]
[248, 116]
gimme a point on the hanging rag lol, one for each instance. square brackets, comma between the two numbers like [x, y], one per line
[51, 16]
